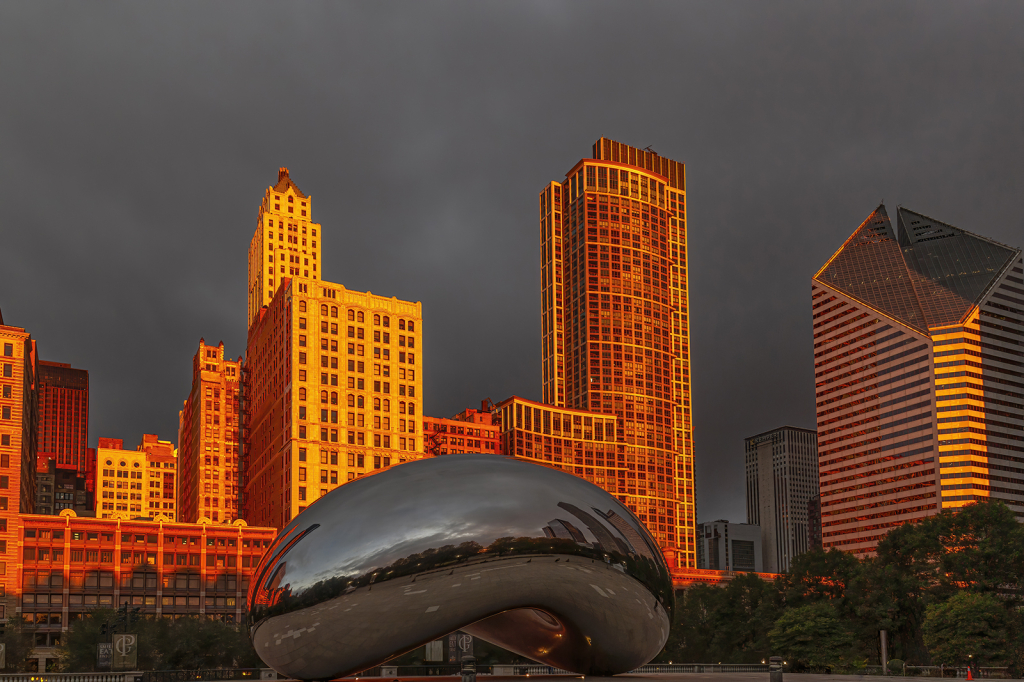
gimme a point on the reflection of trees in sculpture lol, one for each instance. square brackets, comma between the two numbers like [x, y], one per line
[608, 549]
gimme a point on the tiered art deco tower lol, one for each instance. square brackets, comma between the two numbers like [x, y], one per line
[616, 326]
[333, 378]
[919, 368]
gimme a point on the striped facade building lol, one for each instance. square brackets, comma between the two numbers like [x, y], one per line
[919, 373]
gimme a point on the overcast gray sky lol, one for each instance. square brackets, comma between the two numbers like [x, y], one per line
[137, 139]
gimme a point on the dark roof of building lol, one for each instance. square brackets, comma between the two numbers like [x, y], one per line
[932, 275]
[284, 182]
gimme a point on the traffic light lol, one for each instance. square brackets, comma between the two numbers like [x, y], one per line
[2, 626]
[103, 629]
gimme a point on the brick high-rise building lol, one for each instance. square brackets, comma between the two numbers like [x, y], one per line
[469, 431]
[615, 322]
[333, 378]
[136, 484]
[64, 414]
[919, 369]
[286, 242]
[209, 438]
[19, 422]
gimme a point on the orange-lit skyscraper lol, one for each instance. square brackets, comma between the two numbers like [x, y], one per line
[919, 374]
[286, 242]
[615, 325]
[19, 422]
[64, 415]
[333, 378]
[209, 438]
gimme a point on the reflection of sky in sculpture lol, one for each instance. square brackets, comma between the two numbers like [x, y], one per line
[376, 528]
[371, 570]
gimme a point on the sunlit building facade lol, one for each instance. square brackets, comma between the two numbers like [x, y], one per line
[615, 322]
[333, 385]
[469, 431]
[919, 371]
[64, 414]
[136, 484]
[66, 566]
[19, 423]
[209, 438]
[286, 242]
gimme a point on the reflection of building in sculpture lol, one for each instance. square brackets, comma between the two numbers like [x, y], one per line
[74, 565]
[140, 483]
[586, 444]
[334, 378]
[615, 324]
[782, 476]
[724, 546]
[918, 363]
[468, 431]
[209, 438]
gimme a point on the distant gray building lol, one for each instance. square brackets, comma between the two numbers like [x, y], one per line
[782, 477]
[724, 546]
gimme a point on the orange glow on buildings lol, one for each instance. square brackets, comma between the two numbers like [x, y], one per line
[64, 415]
[65, 566]
[469, 431]
[209, 438]
[19, 421]
[333, 383]
[140, 483]
[615, 325]
[919, 371]
[286, 242]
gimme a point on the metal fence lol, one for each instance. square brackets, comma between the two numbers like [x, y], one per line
[200, 675]
[69, 677]
[954, 671]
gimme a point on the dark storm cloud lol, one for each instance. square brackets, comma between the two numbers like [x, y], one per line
[136, 142]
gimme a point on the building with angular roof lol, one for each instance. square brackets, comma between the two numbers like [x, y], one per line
[919, 374]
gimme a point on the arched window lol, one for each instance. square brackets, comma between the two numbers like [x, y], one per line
[401, 325]
[412, 408]
[387, 405]
[302, 393]
[376, 403]
[359, 402]
[387, 321]
[302, 306]
[334, 311]
[352, 315]
[351, 400]
[334, 397]
[360, 316]
[323, 397]
[412, 326]
[376, 319]
[323, 309]
[401, 407]
[291, 199]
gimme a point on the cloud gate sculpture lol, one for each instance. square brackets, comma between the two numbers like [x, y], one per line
[533, 559]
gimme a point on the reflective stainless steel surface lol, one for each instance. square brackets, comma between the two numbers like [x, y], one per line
[529, 558]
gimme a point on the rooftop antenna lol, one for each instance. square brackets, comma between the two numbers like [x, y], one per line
[648, 149]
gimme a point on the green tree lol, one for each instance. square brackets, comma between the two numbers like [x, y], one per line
[813, 637]
[967, 628]
[18, 644]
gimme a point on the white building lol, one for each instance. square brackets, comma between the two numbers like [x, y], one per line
[724, 546]
[782, 476]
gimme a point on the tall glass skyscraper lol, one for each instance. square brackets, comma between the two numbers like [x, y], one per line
[615, 326]
[919, 372]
